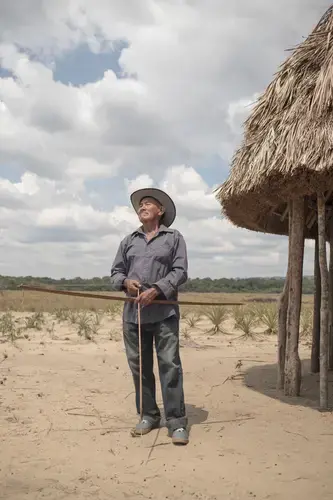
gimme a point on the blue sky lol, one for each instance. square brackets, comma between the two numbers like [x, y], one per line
[81, 65]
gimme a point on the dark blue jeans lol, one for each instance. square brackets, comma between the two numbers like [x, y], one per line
[166, 336]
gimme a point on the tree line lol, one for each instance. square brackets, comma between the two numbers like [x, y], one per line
[198, 285]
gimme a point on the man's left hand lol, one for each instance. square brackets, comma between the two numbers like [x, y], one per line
[147, 297]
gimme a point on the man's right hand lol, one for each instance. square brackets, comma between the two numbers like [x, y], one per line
[132, 287]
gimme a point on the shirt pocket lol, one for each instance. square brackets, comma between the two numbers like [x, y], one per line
[160, 250]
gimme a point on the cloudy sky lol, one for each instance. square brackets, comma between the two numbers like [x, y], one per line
[98, 98]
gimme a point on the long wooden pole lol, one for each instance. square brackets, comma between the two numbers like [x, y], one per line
[282, 332]
[124, 299]
[292, 383]
[282, 318]
[330, 308]
[323, 384]
[140, 362]
[316, 312]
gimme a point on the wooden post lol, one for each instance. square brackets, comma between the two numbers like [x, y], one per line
[316, 313]
[330, 308]
[292, 383]
[282, 319]
[323, 384]
[282, 333]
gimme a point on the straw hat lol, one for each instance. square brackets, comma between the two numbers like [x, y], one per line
[160, 196]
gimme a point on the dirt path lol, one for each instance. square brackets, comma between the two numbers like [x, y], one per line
[67, 407]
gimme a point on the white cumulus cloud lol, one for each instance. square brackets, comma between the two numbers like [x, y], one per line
[70, 155]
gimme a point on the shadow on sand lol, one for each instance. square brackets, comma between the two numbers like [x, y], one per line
[263, 378]
[196, 415]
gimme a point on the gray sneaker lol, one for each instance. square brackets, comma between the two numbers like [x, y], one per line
[179, 436]
[144, 427]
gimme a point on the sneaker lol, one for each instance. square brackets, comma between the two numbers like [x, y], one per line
[180, 436]
[144, 427]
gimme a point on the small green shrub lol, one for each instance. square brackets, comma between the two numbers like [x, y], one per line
[35, 321]
[88, 326]
[193, 319]
[8, 328]
[246, 320]
[217, 316]
[62, 314]
[269, 318]
[72, 316]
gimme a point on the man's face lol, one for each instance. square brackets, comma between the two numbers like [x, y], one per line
[149, 210]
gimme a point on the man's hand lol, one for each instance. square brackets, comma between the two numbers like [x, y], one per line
[147, 297]
[132, 286]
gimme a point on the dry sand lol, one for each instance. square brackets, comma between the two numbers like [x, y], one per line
[67, 408]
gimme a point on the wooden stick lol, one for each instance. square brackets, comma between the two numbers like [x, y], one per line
[330, 308]
[140, 358]
[140, 364]
[323, 377]
[125, 299]
[316, 312]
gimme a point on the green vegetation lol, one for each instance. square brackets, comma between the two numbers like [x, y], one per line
[217, 315]
[197, 285]
[268, 315]
[306, 321]
[8, 328]
[246, 320]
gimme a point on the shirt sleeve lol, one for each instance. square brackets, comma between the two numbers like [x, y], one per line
[178, 274]
[119, 268]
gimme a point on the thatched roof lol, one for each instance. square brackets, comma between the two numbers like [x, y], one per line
[287, 148]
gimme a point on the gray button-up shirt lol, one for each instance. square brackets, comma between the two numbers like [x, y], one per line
[162, 261]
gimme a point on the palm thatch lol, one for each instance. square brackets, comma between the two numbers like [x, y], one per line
[287, 150]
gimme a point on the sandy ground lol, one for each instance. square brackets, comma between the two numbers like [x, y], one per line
[67, 407]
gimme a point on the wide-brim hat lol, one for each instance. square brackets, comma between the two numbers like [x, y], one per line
[160, 196]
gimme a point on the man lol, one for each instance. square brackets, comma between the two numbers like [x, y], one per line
[153, 261]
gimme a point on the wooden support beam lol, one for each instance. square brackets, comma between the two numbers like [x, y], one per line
[282, 320]
[316, 312]
[330, 308]
[323, 384]
[292, 382]
[282, 332]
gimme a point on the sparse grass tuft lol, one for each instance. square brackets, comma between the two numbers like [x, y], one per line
[97, 317]
[306, 321]
[193, 319]
[114, 310]
[186, 333]
[8, 329]
[84, 326]
[115, 335]
[268, 315]
[184, 312]
[36, 321]
[72, 316]
[217, 316]
[245, 320]
[62, 314]
[88, 326]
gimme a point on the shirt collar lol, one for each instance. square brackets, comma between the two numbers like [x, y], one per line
[162, 229]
